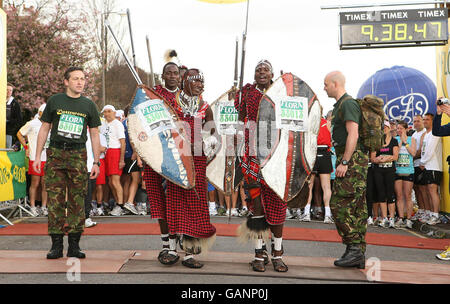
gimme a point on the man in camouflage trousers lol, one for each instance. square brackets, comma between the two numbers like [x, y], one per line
[74, 174]
[348, 200]
[68, 116]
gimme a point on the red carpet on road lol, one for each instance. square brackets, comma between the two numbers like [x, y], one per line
[290, 233]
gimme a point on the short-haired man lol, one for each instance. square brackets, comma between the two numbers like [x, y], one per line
[419, 187]
[115, 158]
[30, 130]
[431, 161]
[68, 115]
[348, 200]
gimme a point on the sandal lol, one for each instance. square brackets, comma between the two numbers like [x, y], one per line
[167, 258]
[192, 263]
[258, 265]
[278, 265]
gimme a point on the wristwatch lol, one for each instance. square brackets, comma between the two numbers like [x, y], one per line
[344, 162]
[97, 163]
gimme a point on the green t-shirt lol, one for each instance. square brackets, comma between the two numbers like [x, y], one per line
[70, 117]
[350, 110]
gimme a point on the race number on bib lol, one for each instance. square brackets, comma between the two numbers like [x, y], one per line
[227, 118]
[70, 126]
[292, 114]
[403, 160]
[154, 116]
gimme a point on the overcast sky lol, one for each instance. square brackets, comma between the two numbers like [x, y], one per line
[295, 36]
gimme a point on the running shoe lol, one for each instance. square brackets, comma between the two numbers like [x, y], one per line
[400, 224]
[234, 212]
[305, 217]
[100, 211]
[433, 220]
[444, 255]
[244, 212]
[328, 220]
[409, 224]
[369, 220]
[130, 207]
[34, 211]
[383, 223]
[391, 222]
[117, 211]
[44, 211]
[88, 223]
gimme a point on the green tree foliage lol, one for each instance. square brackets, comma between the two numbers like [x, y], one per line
[40, 47]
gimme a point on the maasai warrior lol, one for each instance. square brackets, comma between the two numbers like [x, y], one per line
[153, 181]
[187, 210]
[268, 210]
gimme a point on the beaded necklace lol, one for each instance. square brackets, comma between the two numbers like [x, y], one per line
[188, 104]
[171, 91]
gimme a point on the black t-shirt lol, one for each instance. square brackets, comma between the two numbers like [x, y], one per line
[70, 117]
[387, 150]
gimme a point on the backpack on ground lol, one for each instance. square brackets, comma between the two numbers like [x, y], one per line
[372, 121]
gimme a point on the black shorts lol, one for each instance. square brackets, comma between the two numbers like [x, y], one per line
[384, 184]
[406, 178]
[432, 177]
[130, 166]
[323, 163]
[419, 176]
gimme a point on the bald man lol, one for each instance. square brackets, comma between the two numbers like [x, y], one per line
[348, 200]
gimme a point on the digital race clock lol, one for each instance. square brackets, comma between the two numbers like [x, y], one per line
[375, 29]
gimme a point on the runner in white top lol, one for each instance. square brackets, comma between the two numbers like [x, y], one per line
[115, 156]
[30, 130]
[101, 207]
[420, 189]
[431, 161]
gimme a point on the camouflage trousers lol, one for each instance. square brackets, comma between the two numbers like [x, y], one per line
[66, 170]
[348, 200]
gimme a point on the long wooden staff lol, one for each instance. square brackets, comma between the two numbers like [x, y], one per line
[152, 75]
[131, 37]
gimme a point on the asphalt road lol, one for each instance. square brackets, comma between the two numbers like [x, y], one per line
[226, 244]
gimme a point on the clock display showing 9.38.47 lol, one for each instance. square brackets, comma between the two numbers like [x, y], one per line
[401, 27]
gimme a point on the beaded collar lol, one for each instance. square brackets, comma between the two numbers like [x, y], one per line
[189, 105]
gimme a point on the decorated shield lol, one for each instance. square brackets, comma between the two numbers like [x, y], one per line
[159, 137]
[288, 124]
[221, 169]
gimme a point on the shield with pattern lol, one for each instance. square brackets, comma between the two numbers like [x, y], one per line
[288, 124]
[159, 137]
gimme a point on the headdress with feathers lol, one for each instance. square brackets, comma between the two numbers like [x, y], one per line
[171, 56]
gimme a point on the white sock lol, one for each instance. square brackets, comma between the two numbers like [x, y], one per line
[277, 243]
[212, 205]
[307, 209]
[435, 214]
[327, 211]
[259, 244]
[173, 244]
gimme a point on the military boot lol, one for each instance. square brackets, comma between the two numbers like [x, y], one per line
[74, 250]
[352, 258]
[345, 254]
[57, 246]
